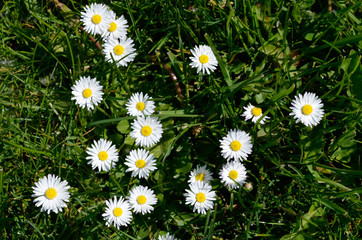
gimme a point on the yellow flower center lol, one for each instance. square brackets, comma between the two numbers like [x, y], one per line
[307, 109]
[87, 93]
[146, 131]
[256, 111]
[140, 106]
[235, 145]
[113, 27]
[50, 193]
[96, 19]
[103, 156]
[141, 199]
[204, 59]
[233, 174]
[200, 177]
[119, 50]
[200, 197]
[117, 212]
[140, 163]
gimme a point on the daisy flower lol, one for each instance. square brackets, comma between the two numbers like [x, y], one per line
[167, 237]
[140, 105]
[237, 145]
[140, 162]
[102, 155]
[201, 196]
[87, 92]
[203, 59]
[141, 199]
[118, 212]
[200, 174]
[232, 174]
[120, 50]
[51, 193]
[96, 18]
[147, 131]
[253, 113]
[117, 27]
[307, 109]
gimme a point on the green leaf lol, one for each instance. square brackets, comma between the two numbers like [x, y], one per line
[330, 205]
[306, 4]
[355, 62]
[166, 141]
[123, 126]
[312, 147]
[293, 236]
[356, 173]
[357, 83]
[312, 36]
[183, 218]
[282, 94]
[129, 141]
[312, 213]
[344, 147]
[296, 13]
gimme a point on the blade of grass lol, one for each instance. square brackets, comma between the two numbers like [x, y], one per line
[224, 70]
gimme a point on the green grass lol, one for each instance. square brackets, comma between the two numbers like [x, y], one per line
[306, 182]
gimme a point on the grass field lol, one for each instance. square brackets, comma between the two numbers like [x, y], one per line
[302, 182]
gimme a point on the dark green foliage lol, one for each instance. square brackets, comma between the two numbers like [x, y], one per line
[306, 183]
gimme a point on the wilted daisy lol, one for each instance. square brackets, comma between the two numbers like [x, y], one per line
[118, 212]
[147, 131]
[51, 193]
[201, 196]
[102, 155]
[120, 50]
[203, 59]
[87, 92]
[201, 174]
[167, 237]
[237, 145]
[142, 199]
[232, 174]
[254, 113]
[140, 105]
[117, 27]
[140, 162]
[307, 109]
[95, 18]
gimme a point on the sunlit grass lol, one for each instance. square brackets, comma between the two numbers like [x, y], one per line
[302, 183]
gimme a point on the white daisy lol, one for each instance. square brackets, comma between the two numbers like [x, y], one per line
[254, 113]
[140, 162]
[167, 237]
[232, 174]
[203, 59]
[237, 145]
[141, 199]
[87, 92]
[140, 105]
[307, 109]
[120, 50]
[102, 155]
[118, 212]
[147, 131]
[200, 174]
[96, 18]
[51, 193]
[117, 27]
[201, 196]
